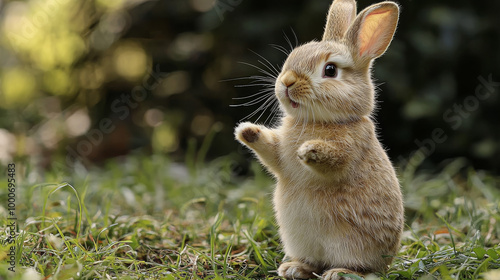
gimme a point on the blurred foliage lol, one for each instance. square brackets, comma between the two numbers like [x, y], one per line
[93, 79]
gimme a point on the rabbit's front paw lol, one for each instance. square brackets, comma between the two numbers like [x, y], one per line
[296, 270]
[311, 152]
[247, 132]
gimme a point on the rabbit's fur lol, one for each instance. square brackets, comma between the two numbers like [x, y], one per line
[338, 202]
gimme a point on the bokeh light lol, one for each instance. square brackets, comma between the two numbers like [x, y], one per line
[18, 87]
[130, 60]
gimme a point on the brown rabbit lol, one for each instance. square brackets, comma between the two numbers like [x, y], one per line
[338, 202]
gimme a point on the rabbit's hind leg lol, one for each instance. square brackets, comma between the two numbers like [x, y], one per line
[297, 270]
[336, 274]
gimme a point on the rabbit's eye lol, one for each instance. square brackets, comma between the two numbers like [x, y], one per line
[330, 70]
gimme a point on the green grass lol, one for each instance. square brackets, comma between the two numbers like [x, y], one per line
[144, 217]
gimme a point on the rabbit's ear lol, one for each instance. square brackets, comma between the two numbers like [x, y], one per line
[340, 16]
[372, 31]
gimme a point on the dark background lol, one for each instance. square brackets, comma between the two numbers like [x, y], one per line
[92, 80]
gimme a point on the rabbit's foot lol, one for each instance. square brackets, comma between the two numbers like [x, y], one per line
[296, 270]
[262, 140]
[312, 152]
[337, 274]
[247, 132]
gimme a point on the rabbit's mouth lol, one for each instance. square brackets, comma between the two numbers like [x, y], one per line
[294, 104]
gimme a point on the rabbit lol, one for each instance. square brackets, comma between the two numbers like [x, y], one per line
[337, 201]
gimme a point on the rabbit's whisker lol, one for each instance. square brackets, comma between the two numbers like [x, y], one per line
[295, 36]
[280, 48]
[262, 108]
[273, 110]
[253, 95]
[288, 41]
[268, 64]
[254, 85]
[267, 105]
[263, 71]
[254, 78]
[253, 102]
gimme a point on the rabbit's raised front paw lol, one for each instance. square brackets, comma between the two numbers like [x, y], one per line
[310, 153]
[247, 132]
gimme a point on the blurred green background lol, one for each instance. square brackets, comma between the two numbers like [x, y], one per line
[96, 79]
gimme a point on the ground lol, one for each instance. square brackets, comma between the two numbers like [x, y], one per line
[145, 217]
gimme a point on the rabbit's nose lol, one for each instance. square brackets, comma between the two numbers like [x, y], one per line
[289, 78]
